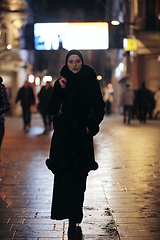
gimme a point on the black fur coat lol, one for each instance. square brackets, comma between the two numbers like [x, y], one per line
[82, 106]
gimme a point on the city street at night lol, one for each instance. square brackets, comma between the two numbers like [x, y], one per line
[66, 61]
[122, 200]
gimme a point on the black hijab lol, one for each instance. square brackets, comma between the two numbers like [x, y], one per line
[86, 73]
[74, 52]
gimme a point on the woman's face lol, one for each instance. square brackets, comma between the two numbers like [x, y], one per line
[74, 63]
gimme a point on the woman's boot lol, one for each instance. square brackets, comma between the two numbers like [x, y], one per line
[72, 230]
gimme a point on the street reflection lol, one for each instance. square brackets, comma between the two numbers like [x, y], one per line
[36, 130]
[127, 182]
[130, 167]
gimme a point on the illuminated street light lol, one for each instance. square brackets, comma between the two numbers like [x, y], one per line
[47, 79]
[9, 46]
[99, 77]
[31, 78]
[115, 22]
[37, 81]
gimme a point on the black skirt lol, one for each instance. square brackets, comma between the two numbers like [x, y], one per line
[68, 196]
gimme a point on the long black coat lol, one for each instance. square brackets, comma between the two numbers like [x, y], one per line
[82, 106]
[71, 153]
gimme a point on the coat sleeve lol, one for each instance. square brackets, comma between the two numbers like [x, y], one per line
[98, 110]
[5, 106]
[55, 99]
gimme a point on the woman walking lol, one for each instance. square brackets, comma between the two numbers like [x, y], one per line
[78, 106]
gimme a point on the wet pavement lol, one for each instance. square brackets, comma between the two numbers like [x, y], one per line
[122, 200]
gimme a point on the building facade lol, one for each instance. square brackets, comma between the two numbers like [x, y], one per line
[141, 22]
[12, 17]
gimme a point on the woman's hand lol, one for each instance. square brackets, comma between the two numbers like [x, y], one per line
[63, 82]
[87, 130]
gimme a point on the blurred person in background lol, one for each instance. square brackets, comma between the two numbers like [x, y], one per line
[143, 99]
[43, 97]
[127, 101]
[108, 99]
[77, 93]
[157, 99]
[26, 97]
[4, 107]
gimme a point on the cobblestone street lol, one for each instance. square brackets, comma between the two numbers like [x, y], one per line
[122, 200]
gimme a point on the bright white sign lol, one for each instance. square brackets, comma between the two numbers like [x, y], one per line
[88, 35]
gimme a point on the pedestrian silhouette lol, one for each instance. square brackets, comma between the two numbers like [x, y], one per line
[43, 97]
[143, 97]
[127, 100]
[26, 97]
[108, 99]
[78, 95]
[4, 107]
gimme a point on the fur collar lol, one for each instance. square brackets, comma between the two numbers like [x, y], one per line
[86, 74]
